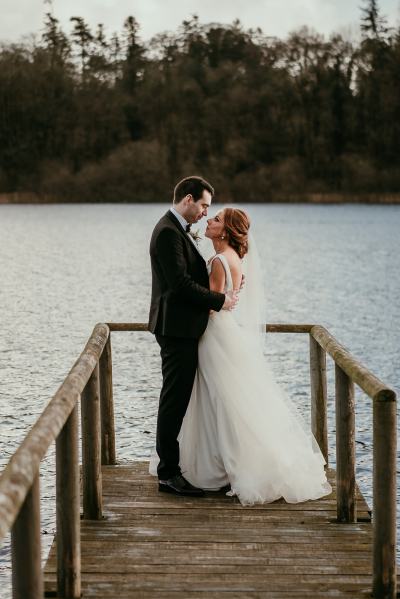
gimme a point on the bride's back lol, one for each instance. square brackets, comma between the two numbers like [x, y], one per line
[235, 266]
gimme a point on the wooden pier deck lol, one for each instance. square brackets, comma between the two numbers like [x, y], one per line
[155, 545]
[134, 542]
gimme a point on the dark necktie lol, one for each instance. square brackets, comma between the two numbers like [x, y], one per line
[187, 228]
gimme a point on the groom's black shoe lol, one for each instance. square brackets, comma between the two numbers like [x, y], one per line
[177, 485]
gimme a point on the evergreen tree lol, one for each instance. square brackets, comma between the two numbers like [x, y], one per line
[83, 39]
[55, 41]
[98, 117]
[373, 25]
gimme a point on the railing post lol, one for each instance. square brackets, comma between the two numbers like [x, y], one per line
[319, 419]
[27, 578]
[91, 450]
[68, 507]
[384, 499]
[107, 406]
[345, 448]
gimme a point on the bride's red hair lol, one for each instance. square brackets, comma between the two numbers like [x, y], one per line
[236, 224]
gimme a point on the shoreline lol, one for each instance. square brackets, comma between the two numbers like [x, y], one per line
[21, 198]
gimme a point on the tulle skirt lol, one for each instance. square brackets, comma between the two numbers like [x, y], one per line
[241, 429]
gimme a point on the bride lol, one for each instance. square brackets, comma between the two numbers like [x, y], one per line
[240, 429]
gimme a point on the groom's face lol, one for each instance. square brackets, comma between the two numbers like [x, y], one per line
[196, 209]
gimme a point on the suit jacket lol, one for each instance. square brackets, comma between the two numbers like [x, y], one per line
[180, 297]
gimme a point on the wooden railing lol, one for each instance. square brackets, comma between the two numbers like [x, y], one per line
[19, 483]
[90, 380]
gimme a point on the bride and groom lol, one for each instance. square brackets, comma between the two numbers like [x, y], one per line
[222, 419]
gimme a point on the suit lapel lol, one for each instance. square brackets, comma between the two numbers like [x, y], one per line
[178, 225]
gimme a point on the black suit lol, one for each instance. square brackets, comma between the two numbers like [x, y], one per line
[180, 305]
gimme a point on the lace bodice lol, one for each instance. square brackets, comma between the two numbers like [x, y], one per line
[228, 275]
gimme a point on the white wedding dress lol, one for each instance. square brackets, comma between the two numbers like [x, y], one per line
[240, 428]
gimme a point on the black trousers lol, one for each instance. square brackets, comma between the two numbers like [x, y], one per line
[179, 358]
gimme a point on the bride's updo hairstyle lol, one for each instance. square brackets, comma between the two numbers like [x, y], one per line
[237, 224]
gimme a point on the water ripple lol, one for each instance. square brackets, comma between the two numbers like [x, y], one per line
[64, 268]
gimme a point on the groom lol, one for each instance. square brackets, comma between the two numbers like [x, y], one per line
[180, 303]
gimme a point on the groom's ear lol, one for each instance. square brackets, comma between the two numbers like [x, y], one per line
[188, 197]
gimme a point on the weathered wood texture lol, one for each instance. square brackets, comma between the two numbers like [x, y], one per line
[22, 469]
[68, 509]
[152, 545]
[91, 448]
[288, 328]
[270, 328]
[319, 412]
[27, 578]
[358, 373]
[156, 545]
[345, 447]
[384, 497]
[107, 406]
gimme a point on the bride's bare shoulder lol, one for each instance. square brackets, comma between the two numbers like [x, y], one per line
[233, 259]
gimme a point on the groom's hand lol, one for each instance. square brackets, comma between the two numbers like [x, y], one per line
[231, 299]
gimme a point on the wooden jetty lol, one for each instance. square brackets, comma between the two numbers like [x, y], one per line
[156, 545]
[134, 542]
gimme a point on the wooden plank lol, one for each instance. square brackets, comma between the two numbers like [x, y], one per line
[229, 594]
[150, 544]
[144, 486]
[159, 584]
[245, 535]
[133, 570]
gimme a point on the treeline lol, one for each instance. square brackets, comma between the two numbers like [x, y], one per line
[92, 117]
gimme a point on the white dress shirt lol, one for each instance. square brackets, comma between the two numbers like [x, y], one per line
[184, 223]
[180, 218]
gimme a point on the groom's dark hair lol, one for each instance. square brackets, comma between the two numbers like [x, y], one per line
[193, 186]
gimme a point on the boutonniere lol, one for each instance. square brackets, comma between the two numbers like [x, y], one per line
[195, 235]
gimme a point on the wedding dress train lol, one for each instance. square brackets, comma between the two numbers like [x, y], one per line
[240, 428]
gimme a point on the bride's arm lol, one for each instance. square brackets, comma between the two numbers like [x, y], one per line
[217, 277]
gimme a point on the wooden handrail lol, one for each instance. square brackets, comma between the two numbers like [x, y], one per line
[19, 484]
[358, 373]
[21, 470]
[269, 328]
[350, 371]
[91, 379]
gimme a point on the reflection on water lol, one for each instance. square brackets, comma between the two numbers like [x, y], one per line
[64, 268]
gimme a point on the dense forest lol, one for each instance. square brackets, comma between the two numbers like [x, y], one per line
[87, 116]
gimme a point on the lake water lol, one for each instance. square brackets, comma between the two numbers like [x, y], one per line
[64, 268]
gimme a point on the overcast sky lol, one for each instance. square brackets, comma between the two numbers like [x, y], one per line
[275, 17]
